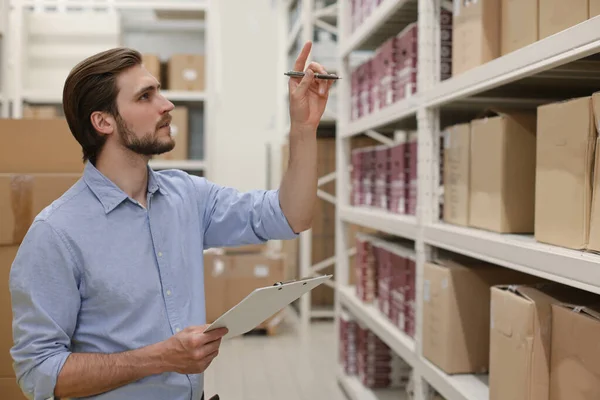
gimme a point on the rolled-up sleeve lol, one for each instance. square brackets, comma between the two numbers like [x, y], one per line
[233, 218]
[44, 286]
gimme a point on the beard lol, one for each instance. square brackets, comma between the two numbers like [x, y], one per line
[149, 144]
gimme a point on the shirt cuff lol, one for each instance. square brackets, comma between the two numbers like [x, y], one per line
[41, 382]
[281, 228]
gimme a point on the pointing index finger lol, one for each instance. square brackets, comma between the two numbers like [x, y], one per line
[302, 57]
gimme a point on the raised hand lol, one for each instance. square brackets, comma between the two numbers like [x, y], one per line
[308, 95]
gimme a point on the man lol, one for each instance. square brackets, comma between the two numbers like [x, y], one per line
[107, 287]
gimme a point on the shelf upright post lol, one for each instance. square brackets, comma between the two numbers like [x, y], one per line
[342, 160]
[428, 160]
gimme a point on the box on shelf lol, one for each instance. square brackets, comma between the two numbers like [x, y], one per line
[380, 198]
[378, 365]
[502, 165]
[397, 176]
[446, 40]
[575, 361]
[377, 71]
[10, 390]
[34, 145]
[354, 94]
[23, 197]
[566, 138]
[40, 112]
[388, 66]
[348, 339]
[7, 256]
[258, 248]
[152, 63]
[365, 81]
[519, 24]
[406, 67]
[457, 153]
[186, 72]
[558, 15]
[230, 278]
[180, 134]
[365, 269]
[411, 180]
[456, 312]
[476, 34]
[594, 9]
[521, 338]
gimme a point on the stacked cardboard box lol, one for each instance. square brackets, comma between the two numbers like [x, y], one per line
[487, 29]
[182, 72]
[230, 275]
[521, 338]
[446, 40]
[456, 312]
[378, 365]
[39, 161]
[397, 177]
[406, 68]
[348, 339]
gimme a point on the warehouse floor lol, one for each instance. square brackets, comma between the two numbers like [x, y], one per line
[288, 365]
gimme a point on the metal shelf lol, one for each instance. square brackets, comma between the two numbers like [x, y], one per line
[384, 221]
[399, 342]
[356, 391]
[569, 45]
[396, 112]
[456, 387]
[186, 165]
[387, 20]
[571, 267]
[38, 97]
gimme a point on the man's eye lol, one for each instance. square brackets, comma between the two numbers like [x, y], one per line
[145, 96]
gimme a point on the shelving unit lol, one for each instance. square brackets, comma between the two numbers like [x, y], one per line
[312, 15]
[547, 61]
[151, 16]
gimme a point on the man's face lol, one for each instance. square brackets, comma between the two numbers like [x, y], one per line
[143, 120]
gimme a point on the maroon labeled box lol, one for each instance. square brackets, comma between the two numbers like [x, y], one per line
[411, 183]
[406, 68]
[382, 158]
[355, 94]
[397, 179]
[369, 168]
[376, 72]
[446, 42]
[357, 177]
[364, 88]
[387, 79]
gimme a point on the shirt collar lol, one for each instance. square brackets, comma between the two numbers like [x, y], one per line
[109, 194]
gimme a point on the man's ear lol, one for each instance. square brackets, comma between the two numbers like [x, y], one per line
[103, 122]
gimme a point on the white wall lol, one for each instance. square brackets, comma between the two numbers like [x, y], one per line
[245, 73]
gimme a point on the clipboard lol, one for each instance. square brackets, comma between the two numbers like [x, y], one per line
[262, 303]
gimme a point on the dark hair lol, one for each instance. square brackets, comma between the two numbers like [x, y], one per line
[92, 86]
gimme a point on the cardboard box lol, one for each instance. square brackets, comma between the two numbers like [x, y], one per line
[476, 34]
[230, 278]
[457, 153]
[594, 9]
[10, 390]
[38, 145]
[521, 338]
[566, 138]
[180, 133]
[519, 24]
[558, 15]
[186, 72]
[7, 256]
[152, 63]
[575, 365]
[446, 40]
[406, 67]
[23, 197]
[502, 187]
[40, 112]
[247, 249]
[397, 176]
[456, 312]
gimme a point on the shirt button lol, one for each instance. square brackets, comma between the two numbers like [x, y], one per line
[168, 292]
[178, 330]
[160, 254]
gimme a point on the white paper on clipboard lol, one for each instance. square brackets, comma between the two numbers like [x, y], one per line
[262, 303]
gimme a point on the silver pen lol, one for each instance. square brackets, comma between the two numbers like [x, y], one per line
[318, 76]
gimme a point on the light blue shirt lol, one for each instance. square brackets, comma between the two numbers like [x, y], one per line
[99, 273]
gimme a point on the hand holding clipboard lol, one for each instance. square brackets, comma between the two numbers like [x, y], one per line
[262, 303]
